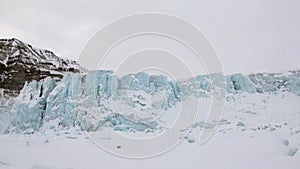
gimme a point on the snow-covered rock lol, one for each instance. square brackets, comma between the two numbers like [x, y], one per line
[21, 62]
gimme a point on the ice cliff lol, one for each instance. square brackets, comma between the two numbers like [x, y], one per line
[88, 100]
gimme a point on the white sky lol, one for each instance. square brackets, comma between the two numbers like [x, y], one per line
[249, 35]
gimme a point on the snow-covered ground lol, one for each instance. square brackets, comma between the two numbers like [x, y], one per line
[260, 131]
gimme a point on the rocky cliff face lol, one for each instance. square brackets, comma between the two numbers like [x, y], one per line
[21, 62]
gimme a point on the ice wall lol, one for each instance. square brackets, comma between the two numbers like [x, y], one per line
[87, 100]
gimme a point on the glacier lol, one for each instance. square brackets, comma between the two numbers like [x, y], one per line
[88, 100]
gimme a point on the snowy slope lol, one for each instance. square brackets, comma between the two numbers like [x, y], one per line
[257, 131]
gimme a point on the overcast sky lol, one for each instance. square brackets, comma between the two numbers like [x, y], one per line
[249, 35]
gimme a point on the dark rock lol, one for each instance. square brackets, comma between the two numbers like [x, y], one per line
[20, 62]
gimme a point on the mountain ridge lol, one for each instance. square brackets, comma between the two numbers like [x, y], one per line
[21, 62]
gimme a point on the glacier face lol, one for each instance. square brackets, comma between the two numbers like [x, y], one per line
[88, 100]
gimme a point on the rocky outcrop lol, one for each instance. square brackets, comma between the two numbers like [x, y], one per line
[20, 62]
